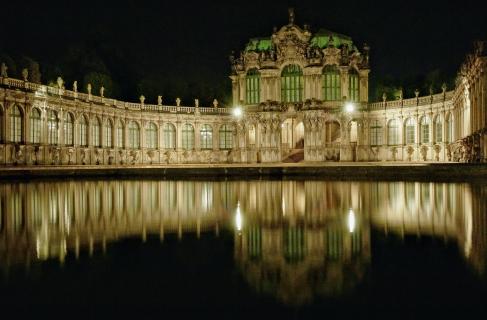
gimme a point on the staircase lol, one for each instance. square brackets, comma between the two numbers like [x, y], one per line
[296, 155]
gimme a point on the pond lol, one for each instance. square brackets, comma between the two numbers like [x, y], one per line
[229, 249]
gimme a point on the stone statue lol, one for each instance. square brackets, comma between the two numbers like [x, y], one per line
[159, 100]
[196, 103]
[142, 99]
[75, 86]
[60, 82]
[215, 103]
[291, 16]
[25, 74]
[416, 93]
[102, 91]
[178, 102]
[3, 71]
[88, 88]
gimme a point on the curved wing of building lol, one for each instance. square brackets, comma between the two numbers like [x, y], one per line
[297, 95]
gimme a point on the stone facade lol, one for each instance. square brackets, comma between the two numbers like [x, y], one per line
[304, 96]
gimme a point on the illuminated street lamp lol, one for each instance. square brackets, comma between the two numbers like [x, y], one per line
[349, 107]
[237, 111]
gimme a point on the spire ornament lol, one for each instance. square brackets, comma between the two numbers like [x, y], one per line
[291, 16]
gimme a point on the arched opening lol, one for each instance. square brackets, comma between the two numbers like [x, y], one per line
[292, 84]
[353, 139]
[206, 137]
[252, 136]
[292, 134]
[299, 136]
[169, 136]
[252, 86]
[332, 132]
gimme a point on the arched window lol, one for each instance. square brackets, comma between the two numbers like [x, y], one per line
[169, 136]
[375, 133]
[438, 129]
[206, 137]
[68, 129]
[35, 126]
[353, 85]
[393, 132]
[16, 126]
[449, 128]
[331, 84]
[95, 132]
[83, 132]
[292, 84]
[108, 131]
[52, 127]
[188, 137]
[120, 138]
[425, 129]
[226, 136]
[151, 136]
[252, 86]
[1, 125]
[134, 135]
[410, 127]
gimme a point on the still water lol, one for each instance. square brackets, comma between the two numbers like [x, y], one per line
[290, 249]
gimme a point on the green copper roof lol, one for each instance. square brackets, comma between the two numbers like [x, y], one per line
[322, 37]
[258, 44]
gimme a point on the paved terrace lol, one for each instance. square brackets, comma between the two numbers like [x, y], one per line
[331, 170]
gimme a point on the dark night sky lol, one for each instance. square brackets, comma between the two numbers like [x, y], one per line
[191, 40]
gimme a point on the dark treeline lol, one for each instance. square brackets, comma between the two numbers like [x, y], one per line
[108, 67]
[104, 66]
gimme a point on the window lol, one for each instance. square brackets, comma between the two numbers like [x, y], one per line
[375, 133]
[108, 130]
[449, 128]
[169, 136]
[226, 136]
[252, 86]
[425, 129]
[120, 141]
[331, 84]
[438, 130]
[410, 131]
[206, 139]
[151, 136]
[95, 131]
[393, 132]
[353, 85]
[188, 137]
[52, 127]
[35, 126]
[68, 129]
[292, 84]
[134, 135]
[83, 132]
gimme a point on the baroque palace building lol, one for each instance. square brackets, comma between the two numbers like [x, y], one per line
[298, 95]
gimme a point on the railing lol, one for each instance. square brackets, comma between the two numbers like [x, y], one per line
[43, 90]
[411, 102]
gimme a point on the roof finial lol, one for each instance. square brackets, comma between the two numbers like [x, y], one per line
[291, 16]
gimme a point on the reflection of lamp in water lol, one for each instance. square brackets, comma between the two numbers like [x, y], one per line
[351, 221]
[238, 218]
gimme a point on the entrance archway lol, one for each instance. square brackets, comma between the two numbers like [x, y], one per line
[292, 140]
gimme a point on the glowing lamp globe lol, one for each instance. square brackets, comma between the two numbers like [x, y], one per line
[237, 112]
[349, 107]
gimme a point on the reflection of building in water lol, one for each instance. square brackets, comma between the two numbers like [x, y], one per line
[442, 210]
[294, 239]
[306, 239]
[43, 220]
